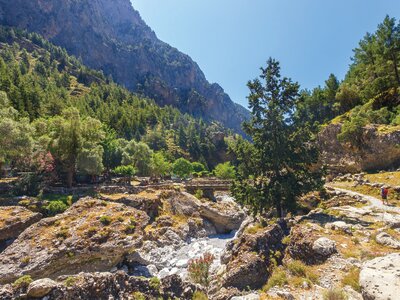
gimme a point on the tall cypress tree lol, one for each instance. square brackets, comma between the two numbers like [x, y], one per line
[283, 153]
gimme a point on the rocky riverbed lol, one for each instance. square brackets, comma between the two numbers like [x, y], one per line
[138, 246]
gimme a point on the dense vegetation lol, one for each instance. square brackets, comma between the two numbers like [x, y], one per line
[59, 117]
[370, 91]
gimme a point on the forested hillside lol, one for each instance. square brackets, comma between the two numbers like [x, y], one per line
[57, 113]
[112, 37]
[369, 94]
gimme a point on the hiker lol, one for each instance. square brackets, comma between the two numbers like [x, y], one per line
[384, 194]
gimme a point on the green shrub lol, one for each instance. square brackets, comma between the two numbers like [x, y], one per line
[278, 278]
[199, 194]
[182, 168]
[155, 283]
[297, 268]
[129, 228]
[62, 233]
[55, 208]
[22, 282]
[286, 240]
[335, 294]
[70, 281]
[25, 260]
[138, 296]
[199, 269]
[199, 295]
[352, 278]
[225, 171]
[105, 220]
[29, 184]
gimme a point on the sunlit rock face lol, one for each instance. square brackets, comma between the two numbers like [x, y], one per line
[379, 150]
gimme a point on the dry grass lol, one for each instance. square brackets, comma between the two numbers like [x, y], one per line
[390, 178]
[384, 129]
[394, 198]
[9, 215]
[352, 279]
[82, 225]
[8, 180]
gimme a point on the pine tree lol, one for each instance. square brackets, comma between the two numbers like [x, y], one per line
[283, 154]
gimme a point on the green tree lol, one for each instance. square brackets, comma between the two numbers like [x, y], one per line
[126, 171]
[138, 155]
[182, 168]
[225, 171]
[160, 166]
[15, 134]
[284, 152]
[73, 138]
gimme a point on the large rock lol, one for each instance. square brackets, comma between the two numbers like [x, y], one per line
[14, 220]
[92, 235]
[249, 257]
[225, 216]
[307, 245]
[380, 150]
[324, 247]
[386, 239]
[148, 201]
[380, 278]
[41, 287]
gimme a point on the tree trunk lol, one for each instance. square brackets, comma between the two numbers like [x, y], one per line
[396, 71]
[70, 177]
[279, 209]
[1, 169]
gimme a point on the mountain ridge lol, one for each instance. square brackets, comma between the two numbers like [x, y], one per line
[112, 37]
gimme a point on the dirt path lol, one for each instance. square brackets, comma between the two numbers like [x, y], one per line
[374, 202]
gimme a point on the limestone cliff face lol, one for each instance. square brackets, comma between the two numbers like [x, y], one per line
[111, 36]
[380, 150]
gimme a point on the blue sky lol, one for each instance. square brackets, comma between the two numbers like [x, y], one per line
[232, 39]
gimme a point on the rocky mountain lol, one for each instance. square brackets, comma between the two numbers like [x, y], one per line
[111, 36]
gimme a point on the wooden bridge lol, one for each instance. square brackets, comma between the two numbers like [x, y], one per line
[208, 187]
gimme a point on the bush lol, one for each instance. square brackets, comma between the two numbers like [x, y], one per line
[198, 295]
[199, 269]
[278, 278]
[70, 281]
[55, 207]
[105, 220]
[198, 194]
[155, 283]
[352, 131]
[182, 168]
[225, 171]
[22, 282]
[297, 268]
[335, 294]
[28, 184]
[352, 278]
[138, 296]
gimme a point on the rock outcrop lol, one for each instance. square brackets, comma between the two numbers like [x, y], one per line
[111, 36]
[103, 286]
[380, 278]
[307, 245]
[90, 236]
[14, 220]
[386, 239]
[248, 259]
[379, 151]
[225, 216]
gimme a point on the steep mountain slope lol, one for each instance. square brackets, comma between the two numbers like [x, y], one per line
[111, 36]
